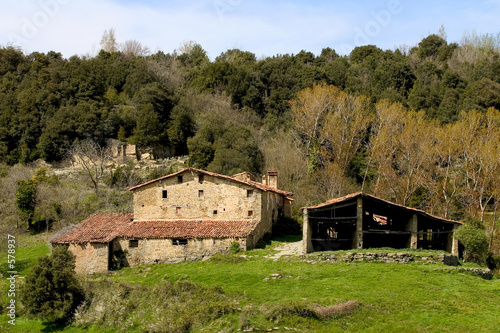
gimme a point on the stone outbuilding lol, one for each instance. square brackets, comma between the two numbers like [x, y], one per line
[360, 220]
[184, 216]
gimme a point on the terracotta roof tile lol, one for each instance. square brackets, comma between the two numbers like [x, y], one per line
[190, 229]
[98, 228]
[103, 228]
[333, 201]
[250, 183]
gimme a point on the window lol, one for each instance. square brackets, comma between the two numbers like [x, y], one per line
[215, 212]
[201, 178]
[200, 194]
[179, 179]
[330, 231]
[250, 213]
[177, 210]
[164, 194]
[249, 193]
[179, 241]
[133, 243]
[429, 234]
[379, 219]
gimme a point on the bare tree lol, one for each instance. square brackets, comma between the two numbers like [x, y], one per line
[108, 41]
[169, 71]
[92, 157]
[134, 48]
[399, 150]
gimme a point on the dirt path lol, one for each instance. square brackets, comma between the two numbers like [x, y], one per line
[294, 248]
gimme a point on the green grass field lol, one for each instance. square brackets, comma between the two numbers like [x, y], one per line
[392, 297]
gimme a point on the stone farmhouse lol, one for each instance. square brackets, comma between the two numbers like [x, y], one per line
[184, 216]
[360, 220]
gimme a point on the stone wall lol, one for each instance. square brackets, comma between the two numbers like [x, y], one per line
[391, 257]
[151, 251]
[122, 151]
[90, 257]
[221, 199]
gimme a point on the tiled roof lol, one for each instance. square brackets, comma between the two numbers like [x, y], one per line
[98, 228]
[361, 194]
[334, 201]
[190, 229]
[103, 228]
[260, 186]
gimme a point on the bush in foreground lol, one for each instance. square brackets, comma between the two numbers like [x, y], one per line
[52, 291]
[475, 243]
[167, 307]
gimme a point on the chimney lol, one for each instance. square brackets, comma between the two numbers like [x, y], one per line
[272, 178]
[264, 179]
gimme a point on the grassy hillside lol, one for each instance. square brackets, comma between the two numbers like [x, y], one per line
[227, 293]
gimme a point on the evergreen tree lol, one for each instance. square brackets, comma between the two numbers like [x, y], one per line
[26, 201]
[52, 291]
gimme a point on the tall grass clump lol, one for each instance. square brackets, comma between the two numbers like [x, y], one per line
[301, 308]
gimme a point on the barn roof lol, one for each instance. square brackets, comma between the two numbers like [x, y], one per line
[104, 227]
[254, 184]
[348, 197]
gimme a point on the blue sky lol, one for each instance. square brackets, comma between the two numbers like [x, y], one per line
[265, 28]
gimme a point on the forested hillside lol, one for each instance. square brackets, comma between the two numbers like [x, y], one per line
[419, 126]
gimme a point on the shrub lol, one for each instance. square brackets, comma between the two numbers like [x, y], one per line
[475, 243]
[167, 307]
[52, 291]
[235, 247]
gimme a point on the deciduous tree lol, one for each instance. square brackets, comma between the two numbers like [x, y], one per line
[93, 157]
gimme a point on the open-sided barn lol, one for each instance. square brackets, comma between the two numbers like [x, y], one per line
[359, 220]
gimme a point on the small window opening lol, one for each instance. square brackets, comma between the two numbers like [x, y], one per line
[250, 213]
[179, 241]
[164, 194]
[429, 234]
[249, 193]
[179, 179]
[215, 212]
[421, 235]
[379, 219]
[133, 243]
[177, 210]
[332, 233]
[200, 194]
[201, 179]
